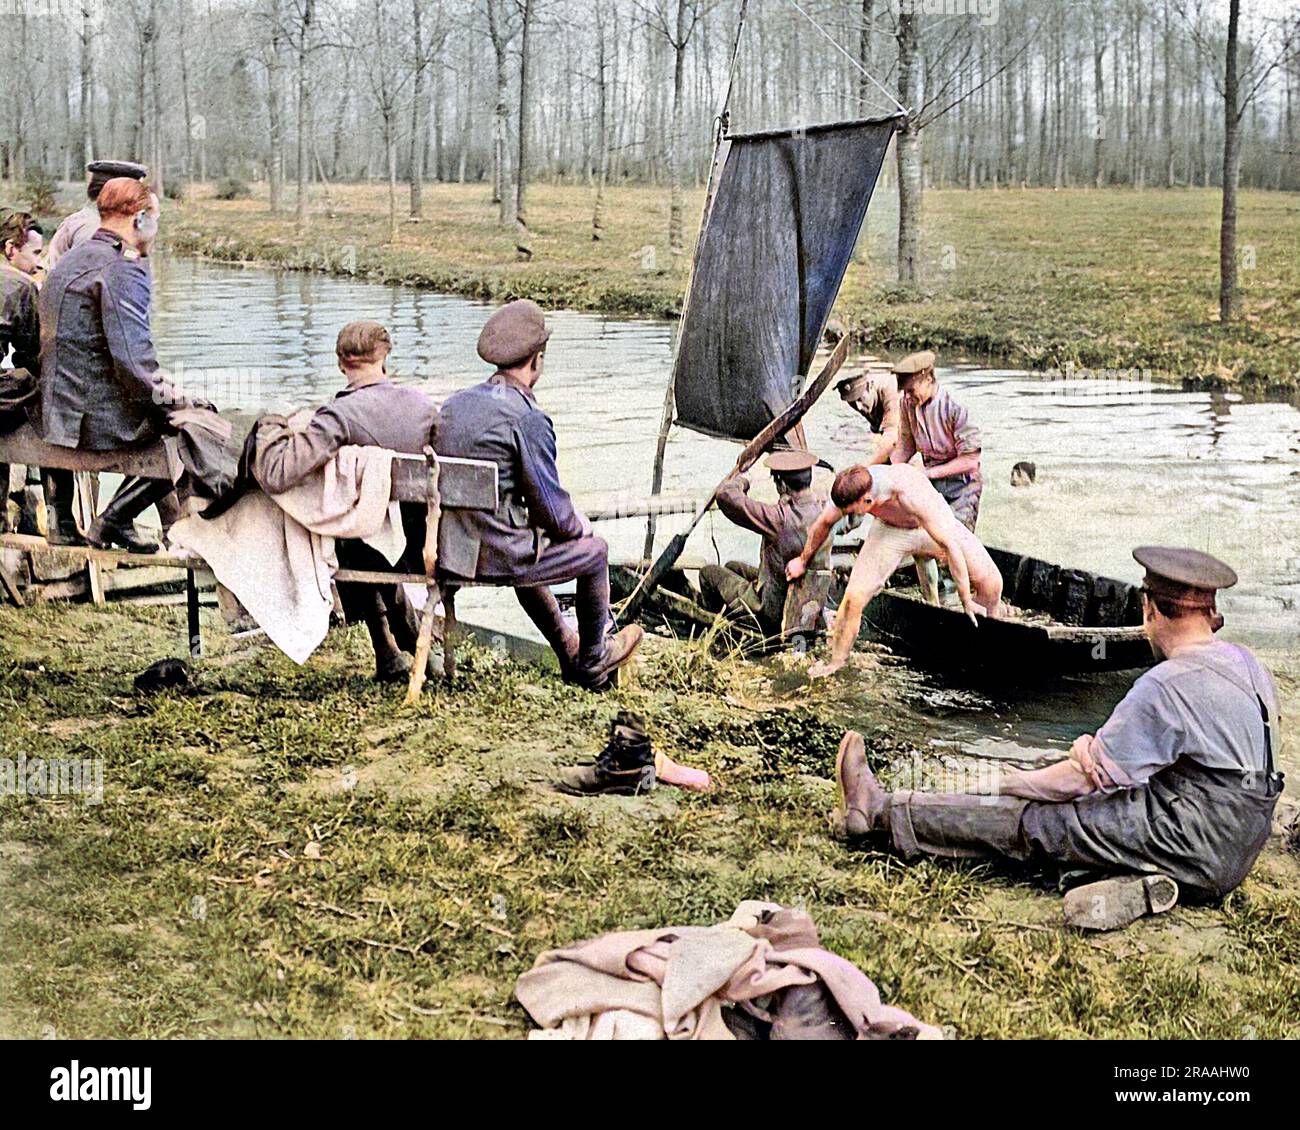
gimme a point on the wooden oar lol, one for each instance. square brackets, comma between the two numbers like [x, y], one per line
[748, 457]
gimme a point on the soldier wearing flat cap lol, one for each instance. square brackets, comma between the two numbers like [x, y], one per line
[536, 538]
[873, 395]
[936, 426]
[757, 594]
[1174, 792]
[83, 223]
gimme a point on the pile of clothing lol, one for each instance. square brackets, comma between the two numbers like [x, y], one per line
[760, 975]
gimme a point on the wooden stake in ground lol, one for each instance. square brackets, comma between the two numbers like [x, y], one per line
[425, 639]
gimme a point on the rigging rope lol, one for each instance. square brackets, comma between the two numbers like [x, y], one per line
[835, 43]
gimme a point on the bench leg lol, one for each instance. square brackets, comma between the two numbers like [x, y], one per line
[423, 644]
[192, 615]
[449, 633]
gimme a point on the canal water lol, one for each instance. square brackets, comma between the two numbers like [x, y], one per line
[1121, 462]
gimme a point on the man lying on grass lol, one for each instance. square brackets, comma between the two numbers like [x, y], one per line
[1177, 787]
[912, 519]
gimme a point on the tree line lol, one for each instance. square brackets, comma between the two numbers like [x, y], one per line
[305, 93]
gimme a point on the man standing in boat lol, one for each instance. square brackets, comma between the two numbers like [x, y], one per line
[536, 537]
[759, 593]
[873, 395]
[936, 426]
[1176, 790]
[911, 519]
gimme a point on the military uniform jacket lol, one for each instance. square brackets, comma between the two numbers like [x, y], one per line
[19, 322]
[100, 386]
[783, 526]
[500, 421]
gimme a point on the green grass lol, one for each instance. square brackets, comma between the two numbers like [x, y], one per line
[1110, 280]
[185, 905]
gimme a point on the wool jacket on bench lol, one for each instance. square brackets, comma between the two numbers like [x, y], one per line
[378, 415]
[499, 420]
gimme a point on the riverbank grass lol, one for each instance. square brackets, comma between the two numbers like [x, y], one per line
[1111, 280]
[288, 851]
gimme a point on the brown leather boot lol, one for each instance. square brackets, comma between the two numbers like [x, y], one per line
[594, 673]
[860, 801]
[625, 767]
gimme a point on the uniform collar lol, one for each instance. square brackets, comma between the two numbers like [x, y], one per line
[106, 236]
[502, 378]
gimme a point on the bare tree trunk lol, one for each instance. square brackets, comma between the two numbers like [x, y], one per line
[417, 108]
[1167, 116]
[1229, 296]
[185, 91]
[1099, 99]
[909, 157]
[675, 239]
[496, 33]
[864, 51]
[523, 243]
[602, 127]
[308, 17]
[87, 145]
[155, 142]
[275, 109]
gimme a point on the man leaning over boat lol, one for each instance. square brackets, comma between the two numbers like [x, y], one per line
[1178, 786]
[758, 593]
[911, 519]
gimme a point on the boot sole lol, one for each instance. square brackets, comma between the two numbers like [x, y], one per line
[1112, 904]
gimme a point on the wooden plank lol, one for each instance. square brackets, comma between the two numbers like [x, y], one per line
[25, 446]
[466, 484]
[87, 496]
[33, 544]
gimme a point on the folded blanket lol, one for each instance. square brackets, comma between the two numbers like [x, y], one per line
[673, 983]
[276, 553]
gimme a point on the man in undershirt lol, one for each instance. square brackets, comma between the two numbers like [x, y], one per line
[911, 519]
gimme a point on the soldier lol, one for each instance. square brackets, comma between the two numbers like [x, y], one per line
[910, 519]
[371, 411]
[1177, 788]
[783, 525]
[100, 386]
[535, 538]
[20, 330]
[873, 395]
[935, 425]
[83, 223]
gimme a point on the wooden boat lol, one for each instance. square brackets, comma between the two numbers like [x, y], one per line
[1062, 621]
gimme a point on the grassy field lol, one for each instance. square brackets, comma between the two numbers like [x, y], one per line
[1106, 280]
[190, 904]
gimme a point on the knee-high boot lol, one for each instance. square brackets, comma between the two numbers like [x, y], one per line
[115, 526]
[60, 523]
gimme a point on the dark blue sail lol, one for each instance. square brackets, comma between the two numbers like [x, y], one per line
[786, 212]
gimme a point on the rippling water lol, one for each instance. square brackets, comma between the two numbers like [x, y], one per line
[1119, 463]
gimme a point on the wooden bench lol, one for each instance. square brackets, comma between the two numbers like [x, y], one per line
[439, 483]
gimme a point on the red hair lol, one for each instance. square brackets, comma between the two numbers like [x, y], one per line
[122, 197]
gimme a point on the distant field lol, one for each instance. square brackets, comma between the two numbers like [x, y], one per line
[1107, 280]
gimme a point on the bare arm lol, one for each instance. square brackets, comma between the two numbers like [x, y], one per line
[965, 464]
[1060, 782]
[818, 532]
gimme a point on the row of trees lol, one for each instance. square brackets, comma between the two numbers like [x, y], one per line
[308, 92]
